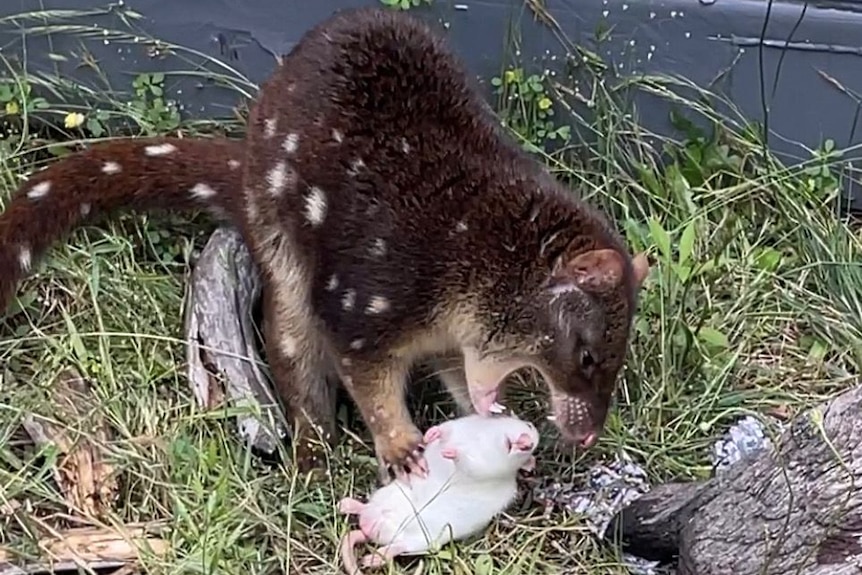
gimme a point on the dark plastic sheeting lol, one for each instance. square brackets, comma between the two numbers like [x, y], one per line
[698, 39]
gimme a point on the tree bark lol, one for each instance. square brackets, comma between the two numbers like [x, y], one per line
[795, 509]
[222, 350]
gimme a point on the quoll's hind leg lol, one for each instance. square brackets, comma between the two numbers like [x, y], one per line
[377, 388]
[299, 369]
[450, 370]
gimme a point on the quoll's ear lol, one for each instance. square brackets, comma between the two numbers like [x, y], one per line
[595, 271]
[640, 263]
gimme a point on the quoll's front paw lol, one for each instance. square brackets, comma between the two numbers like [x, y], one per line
[401, 450]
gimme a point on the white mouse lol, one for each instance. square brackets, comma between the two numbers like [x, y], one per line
[473, 464]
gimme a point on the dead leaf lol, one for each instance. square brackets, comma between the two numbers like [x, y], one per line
[782, 412]
[87, 481]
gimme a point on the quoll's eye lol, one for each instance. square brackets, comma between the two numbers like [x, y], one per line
[587, 361]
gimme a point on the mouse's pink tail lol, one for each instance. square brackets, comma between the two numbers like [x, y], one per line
[348, 551]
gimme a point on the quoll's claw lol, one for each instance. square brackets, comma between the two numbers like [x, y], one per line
[403, 454]
[414, 465]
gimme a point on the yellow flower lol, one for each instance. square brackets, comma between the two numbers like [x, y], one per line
[545, 103]
[11, 107]
[73, 120]
[509, 76]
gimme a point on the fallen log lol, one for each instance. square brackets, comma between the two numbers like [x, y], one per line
[793, 508]
[222, 353]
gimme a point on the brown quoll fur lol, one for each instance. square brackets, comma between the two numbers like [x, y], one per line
[393, 223]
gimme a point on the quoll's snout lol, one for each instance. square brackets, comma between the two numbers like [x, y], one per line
[580, 420]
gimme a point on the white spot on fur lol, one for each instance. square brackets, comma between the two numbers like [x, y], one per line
[277, 179]
[332, 284]
[40, 190]
[202, 191]
[461, 226]
[348, 381]
[250, 206]
[371, 419]
[85, 209]
[405, 146]
[393, 433]
[270, 125]
[111, 168]
[233, 164]
[25, 258]
[357, 344]
[160, 150]
[289, 346]
[355, 166]
[337, 136]
[345, 361]
[378, 304]
[315, 206]
[291, 143]
[348, 299]
[378, 250]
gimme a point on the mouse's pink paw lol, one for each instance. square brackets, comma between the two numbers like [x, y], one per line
[372, 561]
[433, 434]
[380, 556]
[350, 506]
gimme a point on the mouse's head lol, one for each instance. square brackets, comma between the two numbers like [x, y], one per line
[521, 438]
[575, 331]
[497, 450]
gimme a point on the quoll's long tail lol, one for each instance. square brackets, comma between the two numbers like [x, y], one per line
[142, 174]
[348, 551]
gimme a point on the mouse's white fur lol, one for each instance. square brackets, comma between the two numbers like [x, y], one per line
[473, 463]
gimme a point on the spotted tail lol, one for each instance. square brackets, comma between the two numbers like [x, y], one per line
[145, 174]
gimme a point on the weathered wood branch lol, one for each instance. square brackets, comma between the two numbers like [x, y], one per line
[795, 508]
[220, 331]
[94, 548]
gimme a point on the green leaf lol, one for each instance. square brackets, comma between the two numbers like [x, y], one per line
[484, 565]
[686, 243]
[713, 337]
[77, 344]
[767, 259]
[660, 237]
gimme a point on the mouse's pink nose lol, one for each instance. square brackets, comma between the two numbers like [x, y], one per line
[523, 443]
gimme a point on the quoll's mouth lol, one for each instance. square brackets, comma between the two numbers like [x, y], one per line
[572, 416]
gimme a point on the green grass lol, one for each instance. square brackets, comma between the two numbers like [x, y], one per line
[754, 306]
